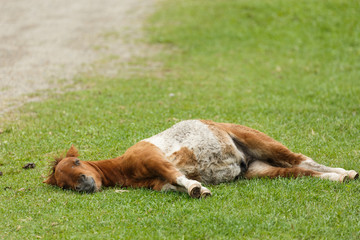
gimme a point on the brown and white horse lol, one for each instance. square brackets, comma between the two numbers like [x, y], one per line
[188, 154]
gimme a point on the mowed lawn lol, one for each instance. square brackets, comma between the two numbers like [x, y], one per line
[288, 68]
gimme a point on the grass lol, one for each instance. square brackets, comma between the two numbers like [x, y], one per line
[288, 68]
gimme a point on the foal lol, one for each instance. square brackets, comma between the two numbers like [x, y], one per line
[187, 154]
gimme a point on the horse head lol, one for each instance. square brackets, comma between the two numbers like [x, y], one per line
[70, 173]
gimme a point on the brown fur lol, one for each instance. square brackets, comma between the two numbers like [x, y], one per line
[223, 137]
[142, 165]
[145, 165]
[274, 172]
[258, 145]
[72, 152]
[185, 160]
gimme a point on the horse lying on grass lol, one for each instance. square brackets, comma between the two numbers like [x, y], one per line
[188, 154]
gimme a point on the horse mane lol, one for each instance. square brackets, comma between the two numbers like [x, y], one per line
[53, 165]
[72, 152]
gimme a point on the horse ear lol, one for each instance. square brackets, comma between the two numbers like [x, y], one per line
[73, 152]
[51, 180]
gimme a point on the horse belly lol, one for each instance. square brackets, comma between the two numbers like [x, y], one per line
[200, 153]
[226, 170]
[212, 168]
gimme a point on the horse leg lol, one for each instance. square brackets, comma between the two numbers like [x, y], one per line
[144, 161]
[312, 165]
[174, 177]
[262, 169]
[182, 184]
[159, 166]
[261, 147]
[168, 187]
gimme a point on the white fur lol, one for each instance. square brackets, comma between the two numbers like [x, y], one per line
[312, 165]
[213, 165]
[168, 187]
[333, 176]
[187, 183]
[258, 167]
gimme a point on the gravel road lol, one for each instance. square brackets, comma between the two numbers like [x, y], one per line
[42, 41]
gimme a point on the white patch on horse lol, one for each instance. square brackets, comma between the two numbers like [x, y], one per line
[311, 164]
[214, 166]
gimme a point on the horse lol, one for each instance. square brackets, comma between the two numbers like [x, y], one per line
[187, 155]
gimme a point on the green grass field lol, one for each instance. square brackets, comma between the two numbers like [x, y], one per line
[288, 68]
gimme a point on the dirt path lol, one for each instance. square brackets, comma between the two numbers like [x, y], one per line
[42, 41]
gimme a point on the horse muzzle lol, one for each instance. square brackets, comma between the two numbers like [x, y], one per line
[86, 184]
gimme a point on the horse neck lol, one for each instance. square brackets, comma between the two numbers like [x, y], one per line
[110, 171]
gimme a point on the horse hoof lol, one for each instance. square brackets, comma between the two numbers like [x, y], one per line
[195, 191]
[205, 193]
[356, 176]
[344, 178]
[353, 175]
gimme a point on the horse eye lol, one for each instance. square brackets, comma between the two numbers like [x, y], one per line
[82, 177]
[77, 162]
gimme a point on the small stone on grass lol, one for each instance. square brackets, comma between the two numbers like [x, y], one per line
[29, 165]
